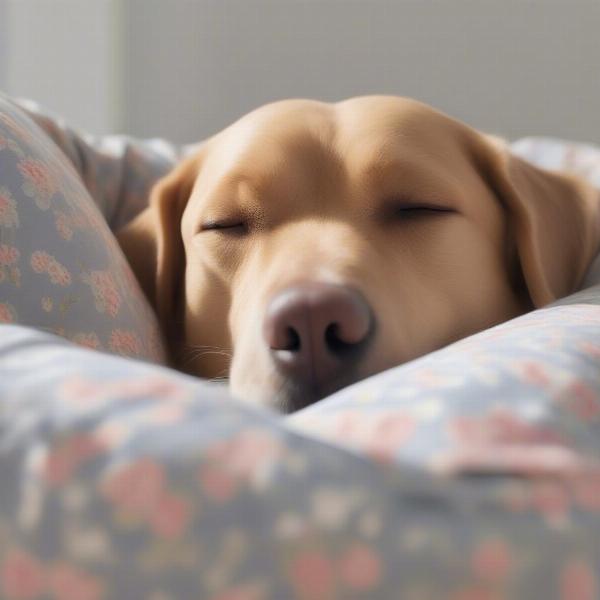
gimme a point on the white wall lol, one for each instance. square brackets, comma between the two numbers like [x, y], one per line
[185, 68]
[514, 67]
[63, 53]
[3, 45]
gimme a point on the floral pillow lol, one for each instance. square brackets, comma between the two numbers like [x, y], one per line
[61, 269]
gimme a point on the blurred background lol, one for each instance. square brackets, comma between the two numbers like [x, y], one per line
[183, 69]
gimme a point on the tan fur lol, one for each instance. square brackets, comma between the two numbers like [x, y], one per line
[313, 181]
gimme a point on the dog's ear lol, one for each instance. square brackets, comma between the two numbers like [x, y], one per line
[153, 244]
[554, 220]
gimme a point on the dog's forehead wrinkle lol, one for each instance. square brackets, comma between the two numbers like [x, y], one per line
[297, 182]
[275, 134]
[312, 142]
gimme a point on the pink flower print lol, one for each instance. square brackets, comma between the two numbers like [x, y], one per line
[136, 488]
[243, 459]
[501, 442]
[170, 516]
[125, 343]
[63, 225]
[155, 386]
[22, 576]
[502, 427]
[578, 580]
[381, 435]
[248, 455]
[8, 209]
[139, 490]
[38, 183]
[360, 567]
[590, 349]
[66, 224]
[582, 400]
[7, 313]
[252, 452]
[8, 255]
[65, 458]
[312, 575]
[87, 340]
[59, 274]
[165, 412]
[105, 292]
[534, 373]
[216, 483]
[83, 392]
[69, 583]
[42, 262]
[388, 435]
[491, 560]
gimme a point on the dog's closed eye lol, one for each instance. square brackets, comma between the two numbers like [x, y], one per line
[229, 226]
[399, 209]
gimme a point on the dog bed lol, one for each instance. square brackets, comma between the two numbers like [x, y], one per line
[472, 472]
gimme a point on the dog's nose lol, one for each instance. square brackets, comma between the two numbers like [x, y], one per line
[316, 331]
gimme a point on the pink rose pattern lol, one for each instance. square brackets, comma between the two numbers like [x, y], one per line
[471, 473]
[42, 262]
[38, 181]
[61, 269]
[9, 271]
[9, 217]
[66, 224]
[7, 313]
[125, 343]
[87, 340]
[107, 298]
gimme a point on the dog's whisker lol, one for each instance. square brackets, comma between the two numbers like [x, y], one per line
[224, 373]
[200, 347]
[192, 352]
[196, 355]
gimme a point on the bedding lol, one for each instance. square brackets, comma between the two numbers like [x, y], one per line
[472, 472]
[61, 269]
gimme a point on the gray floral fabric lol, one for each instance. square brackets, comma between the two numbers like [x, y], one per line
[470, 473]
[61, 269]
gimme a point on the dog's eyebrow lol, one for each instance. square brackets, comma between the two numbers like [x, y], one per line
[380, 167]
[421, 176]
[283, 175]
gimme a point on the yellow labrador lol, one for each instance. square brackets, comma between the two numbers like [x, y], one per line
[310, 245]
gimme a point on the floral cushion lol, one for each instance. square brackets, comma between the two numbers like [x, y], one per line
[61, 269]
[469, 473]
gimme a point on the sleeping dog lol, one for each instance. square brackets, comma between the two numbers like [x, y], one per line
[310, 245]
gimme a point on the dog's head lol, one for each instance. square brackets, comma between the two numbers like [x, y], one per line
[309, 245]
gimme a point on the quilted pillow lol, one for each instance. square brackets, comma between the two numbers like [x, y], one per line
[61, 269]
